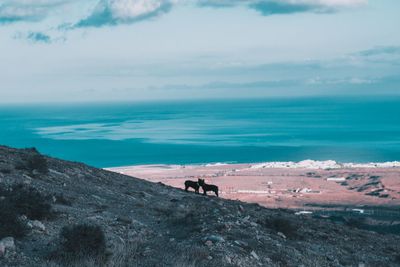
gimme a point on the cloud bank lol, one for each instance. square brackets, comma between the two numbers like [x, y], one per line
[28, 10]
[115, 12]
[272, 7]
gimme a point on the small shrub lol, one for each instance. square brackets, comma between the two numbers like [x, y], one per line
[61, 199]
[5, 171]
[397, 259]
[282, 225]
[33, 161]
[21, 166]
[27, 201]
[3, 192]
[30, 202]
[355, 222]
[279, 257]
[184, 225]
[37, 162]
[10, 223]
[17, 201]
[83, 240]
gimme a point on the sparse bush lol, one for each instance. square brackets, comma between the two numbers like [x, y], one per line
[129, 253]
[33, 161]
[282, 225]
[184, 219]
[397, 259]
[61, 199]
[279, 257]
[5, 170]
[355, 222]
[10, 223]
[30, 202]
[27, 201]
[37, 162]
[3, 192]
[185, 224]
[82, 241]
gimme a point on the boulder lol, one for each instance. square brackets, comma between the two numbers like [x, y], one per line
[282, 235]
[7, 243]
[253, 224]
[208, 243]
[36, 225]
[242, 244]
[2, 250]
[214, 238]
[254, 254]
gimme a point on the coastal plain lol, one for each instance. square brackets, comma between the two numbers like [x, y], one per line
[308, 185]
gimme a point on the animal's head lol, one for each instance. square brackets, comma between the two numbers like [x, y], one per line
[200, 181]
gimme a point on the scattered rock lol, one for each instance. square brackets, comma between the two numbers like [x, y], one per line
[2, 249]
[254, 254]
[124, 219]
[247, 218]
[167, 222]
[228, 259]
[242, 244]
[37, 225]
[208, 243]
[281, 235]
[7, 243]
[214, 238]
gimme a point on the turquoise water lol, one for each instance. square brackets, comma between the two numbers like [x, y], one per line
[105, 135]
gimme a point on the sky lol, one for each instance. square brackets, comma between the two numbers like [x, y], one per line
[134, 50]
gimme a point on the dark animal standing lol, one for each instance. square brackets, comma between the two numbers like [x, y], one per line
[192, 184]
[208, 187]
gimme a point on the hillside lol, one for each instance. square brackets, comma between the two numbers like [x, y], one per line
[151, 224]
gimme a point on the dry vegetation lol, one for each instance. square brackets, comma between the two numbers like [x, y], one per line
[75, 215]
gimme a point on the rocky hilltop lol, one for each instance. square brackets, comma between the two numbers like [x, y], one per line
[60, 213]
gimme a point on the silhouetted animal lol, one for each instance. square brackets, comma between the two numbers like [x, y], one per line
[207, 187]
[192, 184]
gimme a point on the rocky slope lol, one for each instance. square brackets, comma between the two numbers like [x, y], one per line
[150, 224]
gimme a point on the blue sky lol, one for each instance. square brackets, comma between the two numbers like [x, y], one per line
[112, 50]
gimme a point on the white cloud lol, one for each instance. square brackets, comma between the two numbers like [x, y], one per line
[27, 10]
[113, 12]
[126, 9]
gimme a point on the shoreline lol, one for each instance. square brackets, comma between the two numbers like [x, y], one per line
[293, 185]
[304, 164]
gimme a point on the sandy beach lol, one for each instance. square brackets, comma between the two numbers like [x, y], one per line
[304, 185]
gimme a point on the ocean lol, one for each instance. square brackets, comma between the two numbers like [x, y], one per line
[351, 129]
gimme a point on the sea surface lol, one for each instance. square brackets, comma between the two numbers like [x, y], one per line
[207, 131]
